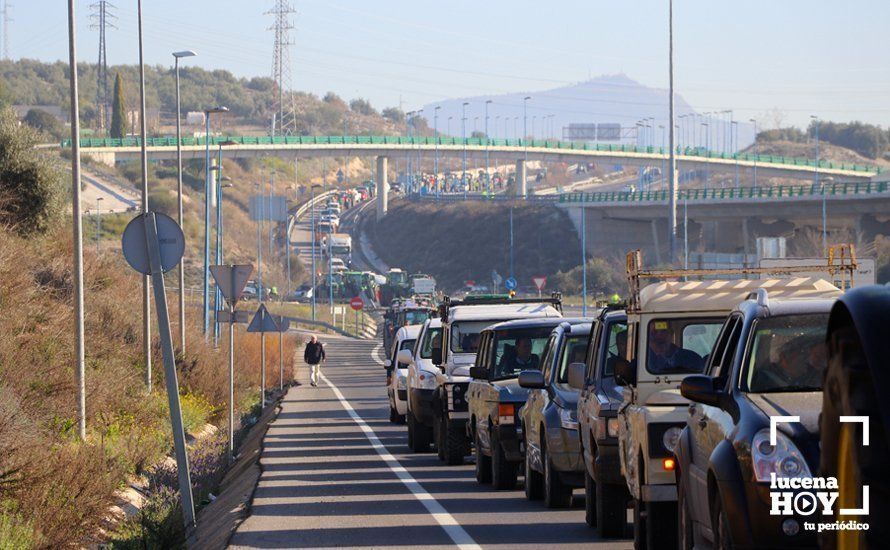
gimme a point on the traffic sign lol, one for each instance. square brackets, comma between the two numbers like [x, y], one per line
[282, 322]
[510, 283]
[540, 282]
[470, 282]
[231, 280]
[171, 243]
[357, 303]
[496, 278]
[262, 321]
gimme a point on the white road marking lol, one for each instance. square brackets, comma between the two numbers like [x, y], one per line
[375, 354]
[450, 525]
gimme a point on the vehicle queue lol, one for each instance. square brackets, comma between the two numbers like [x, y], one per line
[662, 408]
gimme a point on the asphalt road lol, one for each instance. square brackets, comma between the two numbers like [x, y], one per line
[336, 473]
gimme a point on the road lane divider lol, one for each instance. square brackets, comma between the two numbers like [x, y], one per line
[445, 520]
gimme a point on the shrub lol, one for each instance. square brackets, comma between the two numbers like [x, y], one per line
[196, 412]
[16, 533]
[157, 525]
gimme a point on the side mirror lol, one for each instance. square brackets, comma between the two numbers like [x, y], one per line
[626, 373]
[700, 388]
[387, 363]
[480, 373]
[437, 355]
[531, 379]
[576, 375]
[404, 357]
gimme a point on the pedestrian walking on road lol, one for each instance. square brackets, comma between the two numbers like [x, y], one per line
[314, 356]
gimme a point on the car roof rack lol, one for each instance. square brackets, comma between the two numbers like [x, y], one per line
[841, 259]
[555, 300]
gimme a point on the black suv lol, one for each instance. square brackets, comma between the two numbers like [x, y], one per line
[605, 489]
[768, 361]
[553, 466]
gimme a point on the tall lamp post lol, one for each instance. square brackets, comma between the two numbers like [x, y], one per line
[181, 269]
[314, 268]
[672, 162]
[208, 183]
[98, 223]
[754, 121]
[218, 301]
[463, 135]
[816, 172]
[436, 162]
[487, 141]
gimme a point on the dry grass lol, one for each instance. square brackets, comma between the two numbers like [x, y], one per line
[59, 486]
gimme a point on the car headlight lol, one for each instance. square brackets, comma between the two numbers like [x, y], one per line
[671, 437]
[612, 427]
[568, 419]
[427, 380]
[784, 459]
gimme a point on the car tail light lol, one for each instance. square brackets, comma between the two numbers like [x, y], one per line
[505, 414]
[668, 464]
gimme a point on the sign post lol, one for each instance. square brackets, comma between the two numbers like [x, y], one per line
[283, 324]
[357, 304]
[263, 322]
[540, 283]
[231, 280]
[153, 244]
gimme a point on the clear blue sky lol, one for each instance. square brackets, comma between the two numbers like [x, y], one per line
[759, 57]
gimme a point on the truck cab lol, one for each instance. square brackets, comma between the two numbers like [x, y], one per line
[462, 322]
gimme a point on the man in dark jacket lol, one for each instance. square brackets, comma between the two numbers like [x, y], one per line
[314, 356]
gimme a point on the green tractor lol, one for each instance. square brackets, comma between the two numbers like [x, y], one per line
[397, 286]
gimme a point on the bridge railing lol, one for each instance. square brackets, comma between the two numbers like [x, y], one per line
[695, 152]
[729, 194]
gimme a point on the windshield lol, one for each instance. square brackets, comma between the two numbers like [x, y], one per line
[340, 249]
[432, 339]
[680, 346]
[787, 353]
[465, 336]
[518, 349]
[573, 351]
[416, 317]
[617, 348]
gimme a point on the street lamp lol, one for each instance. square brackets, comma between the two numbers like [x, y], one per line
[98, 223]
[487, 141]
[176, 57]
[207, 186]
[463, 132]
[217, 296]
[408, 125]
[754, 121]
[706, 128]
[734, 130]
[436, 163]
[816, 172]
[312, 209]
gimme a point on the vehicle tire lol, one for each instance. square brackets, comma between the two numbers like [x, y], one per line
[556, 493]
[393, 415]
[483, 463]
[722, 535]
[639, 525]
[661, 524]
[504, 473]
[421, 437]
[685, 537]
[590, 501]
[439, 438]
[611, 509]
[456, 444]
[850, 391]
[534, 480]
[411, 423]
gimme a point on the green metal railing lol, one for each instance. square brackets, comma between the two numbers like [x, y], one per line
[696, 152]
[729, 194]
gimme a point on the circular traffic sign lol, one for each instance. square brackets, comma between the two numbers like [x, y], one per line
[510, 283]
[171, 242]
[356, 303]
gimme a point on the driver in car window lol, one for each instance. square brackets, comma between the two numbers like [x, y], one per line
[521, 359]
[470, 343]
[665, 357]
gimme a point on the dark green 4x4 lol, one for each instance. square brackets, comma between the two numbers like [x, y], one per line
[494, 396]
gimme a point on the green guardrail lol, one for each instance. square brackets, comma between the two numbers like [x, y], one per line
[728, 194]
[697, 152]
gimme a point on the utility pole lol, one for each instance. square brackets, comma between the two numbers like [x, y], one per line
[6, 21]
[672, 163]
[100, 21]
[284, 111]
[146, 291]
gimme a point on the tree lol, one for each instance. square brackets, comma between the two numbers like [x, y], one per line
[362, 107]
[118, 117]
[45, 122]
[394, 114]
[30, 183]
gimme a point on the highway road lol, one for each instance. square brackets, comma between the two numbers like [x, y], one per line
[337, 473]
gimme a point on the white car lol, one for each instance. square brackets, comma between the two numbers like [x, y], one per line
[397, 371]
[337, 265]
[422, 373]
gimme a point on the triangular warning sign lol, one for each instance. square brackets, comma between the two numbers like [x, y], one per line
[262, 321]
[231, 280]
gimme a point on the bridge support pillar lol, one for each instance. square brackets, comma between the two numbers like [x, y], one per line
[521, 178]
[382, 187]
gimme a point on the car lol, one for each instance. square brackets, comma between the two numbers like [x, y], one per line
[337, 265]
[605, 489]
[422, 386]
[494, 396]
[553, 465]
[768, 361]
[856, 385]
[396, 367]
[302, 294]
[462, 322]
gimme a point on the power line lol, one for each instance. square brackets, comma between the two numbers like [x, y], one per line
[284, 116]
[6, 21]
[99, 20]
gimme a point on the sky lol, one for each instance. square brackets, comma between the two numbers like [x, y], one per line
[776, 61]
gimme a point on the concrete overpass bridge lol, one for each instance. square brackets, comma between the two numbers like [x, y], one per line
[497, 150]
